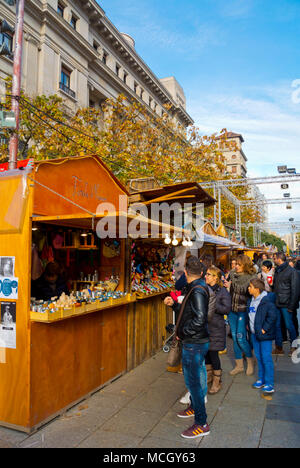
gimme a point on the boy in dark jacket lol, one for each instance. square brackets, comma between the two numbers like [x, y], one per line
[262, 323]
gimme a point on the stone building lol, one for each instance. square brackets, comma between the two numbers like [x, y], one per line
[72, 49]
[236, 160]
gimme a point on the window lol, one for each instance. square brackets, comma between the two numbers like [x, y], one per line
[65, 77]
[142, 93]
[60, 9]
[125, 77]
[65, 81]
[105, 57]
[7, 39]
[73, 22]
[95, 45]
[234, 156]
[135, 87]
[150, 101]
[234, 169]
[118, 69]
[92, 104]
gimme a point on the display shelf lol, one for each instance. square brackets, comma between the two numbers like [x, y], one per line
[75, 311]
[82, 247]
[147, 296]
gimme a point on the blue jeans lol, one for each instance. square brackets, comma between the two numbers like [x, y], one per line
[263, 353]
[237, 322]
[278, 331]
[193, 359]
[288, 320]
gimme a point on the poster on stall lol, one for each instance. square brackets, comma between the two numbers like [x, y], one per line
[8, 325]
[7, 267]
[8, 282]
[9, 288]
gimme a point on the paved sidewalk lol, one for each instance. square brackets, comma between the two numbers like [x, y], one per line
[139, 410]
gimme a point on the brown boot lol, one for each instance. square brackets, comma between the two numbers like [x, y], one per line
[278, 351]
[209, 370]
[239, 367]
[250, 366]
[216, 385]
[176, 370]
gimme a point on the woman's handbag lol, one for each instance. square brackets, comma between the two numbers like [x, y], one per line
[175, 353]
[174, 357]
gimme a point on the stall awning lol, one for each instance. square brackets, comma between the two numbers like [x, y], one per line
[185, 192]
[114, 224]
[218, 240]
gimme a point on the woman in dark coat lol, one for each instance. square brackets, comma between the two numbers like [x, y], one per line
[216, 327]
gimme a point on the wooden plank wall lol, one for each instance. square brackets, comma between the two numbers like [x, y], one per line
[146, 322]
[71, 358]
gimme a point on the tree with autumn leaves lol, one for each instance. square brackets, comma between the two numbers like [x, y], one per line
[133, 142]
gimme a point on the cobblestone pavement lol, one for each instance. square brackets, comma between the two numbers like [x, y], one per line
[138, 410]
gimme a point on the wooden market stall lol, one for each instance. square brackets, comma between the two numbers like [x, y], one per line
[73, 211]
[53, 360]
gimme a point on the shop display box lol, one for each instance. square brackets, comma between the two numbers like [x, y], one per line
[46, 316]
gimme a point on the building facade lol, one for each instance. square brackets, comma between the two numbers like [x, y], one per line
[72, 49]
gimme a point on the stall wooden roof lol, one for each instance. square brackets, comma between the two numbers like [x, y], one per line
[186, 192]
[221, 231]
[115, 221]
[72, 185]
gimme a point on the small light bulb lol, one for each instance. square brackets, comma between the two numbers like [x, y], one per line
[185, 242]
[190, 243]
[174, 241]
[167, 239]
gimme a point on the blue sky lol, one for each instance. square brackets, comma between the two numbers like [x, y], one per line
[237, 61]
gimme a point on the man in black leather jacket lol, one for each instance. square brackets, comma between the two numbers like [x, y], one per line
[193, 334]
[287, 291]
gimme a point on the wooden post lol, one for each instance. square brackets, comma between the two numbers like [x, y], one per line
[16, 85]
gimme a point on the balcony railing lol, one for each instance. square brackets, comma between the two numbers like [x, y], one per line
[67, 90]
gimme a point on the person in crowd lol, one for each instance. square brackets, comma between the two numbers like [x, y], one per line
[221, 267]
[181, 282]
[232, 270]
[50, 284]
[255, 262]
[238, 316]
[216, 328]
[262, 323]
[194, 336]
[292, 262]
[296, 313]
[287, 291]
[182, 286]
[207, 261]
[267, 274]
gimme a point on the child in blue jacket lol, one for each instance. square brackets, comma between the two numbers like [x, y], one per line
[262, 323]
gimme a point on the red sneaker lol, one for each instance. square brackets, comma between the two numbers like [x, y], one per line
[196, 431]
[188, 413]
